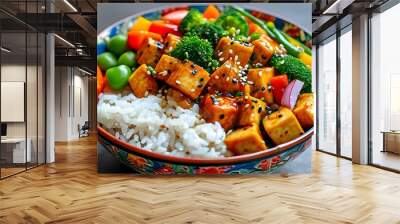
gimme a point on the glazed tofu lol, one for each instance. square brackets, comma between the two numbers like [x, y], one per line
[150, 52]
[264, 48]
[252, 111]
[259, 78]
[165, 66]
[189, 78]
[304, 110]
[220, 109]
[170, 42]
[142, 82]
[239, 52]
[282, 126]
[226, 78]
[245, 140]
[180, 99]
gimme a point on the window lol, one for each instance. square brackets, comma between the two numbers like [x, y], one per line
[346, 92]
[22, 78]
[326, 136]
[385, 89]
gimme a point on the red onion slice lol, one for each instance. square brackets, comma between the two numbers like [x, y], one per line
[291, 94]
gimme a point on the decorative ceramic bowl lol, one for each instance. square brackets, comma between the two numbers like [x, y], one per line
[148, 162]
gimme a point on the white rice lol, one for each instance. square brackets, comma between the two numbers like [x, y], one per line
[159, 125]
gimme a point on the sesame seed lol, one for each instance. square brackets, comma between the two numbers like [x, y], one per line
[178, 82]
[163, 73]
[250, 82]
[227, 79]
[148, 73]
[260, 73]
[192, 90]
[216, 77]
[246, 97]
[247, 105]
[236, 57]
[221, 59]
[146, 93]
[220, 53]
[230, 51]
[238, 63]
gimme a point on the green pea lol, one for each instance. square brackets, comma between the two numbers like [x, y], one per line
[117, 44]
[106, 60]
[128, 58]
[118, 76]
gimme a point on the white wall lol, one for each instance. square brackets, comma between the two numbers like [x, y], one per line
[71, 96]
[12, 73]
[33, 127]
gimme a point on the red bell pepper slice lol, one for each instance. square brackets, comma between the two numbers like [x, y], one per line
[136, 38]
[175, 17]
[278, 84]
[164, 28]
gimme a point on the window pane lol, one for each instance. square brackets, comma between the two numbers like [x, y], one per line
[327, 96]
[13, 86]
[346, 92]
[385, 89]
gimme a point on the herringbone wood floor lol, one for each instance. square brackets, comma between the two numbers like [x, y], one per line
[71, 191]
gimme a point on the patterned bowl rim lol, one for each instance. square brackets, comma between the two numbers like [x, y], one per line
[204, 161]
[200, 161]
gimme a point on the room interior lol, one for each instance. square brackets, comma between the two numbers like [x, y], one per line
[48, 94]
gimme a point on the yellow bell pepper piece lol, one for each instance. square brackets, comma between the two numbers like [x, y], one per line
[306, 58]
[141, 24]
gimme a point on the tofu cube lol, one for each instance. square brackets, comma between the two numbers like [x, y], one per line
[180, 99]
[165, 66]
[304, 110]
[259, 78]
[226, 78]
[170, 42]
[150, 52]
[189, 78]
[219, 109]
[264, 48]
[245, 140]
[142, 83]
[282, 126]
[239, 52]
[252, 111]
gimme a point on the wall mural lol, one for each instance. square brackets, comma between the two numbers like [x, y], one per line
[206, 89]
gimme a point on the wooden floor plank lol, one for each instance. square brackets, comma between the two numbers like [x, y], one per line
[71, 191]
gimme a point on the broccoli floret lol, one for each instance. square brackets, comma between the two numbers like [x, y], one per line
[294, 68]
[233, 22]
[208, 31]
[195, 49]
[192, 19]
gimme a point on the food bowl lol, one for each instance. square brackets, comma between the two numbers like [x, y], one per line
[148, 162]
